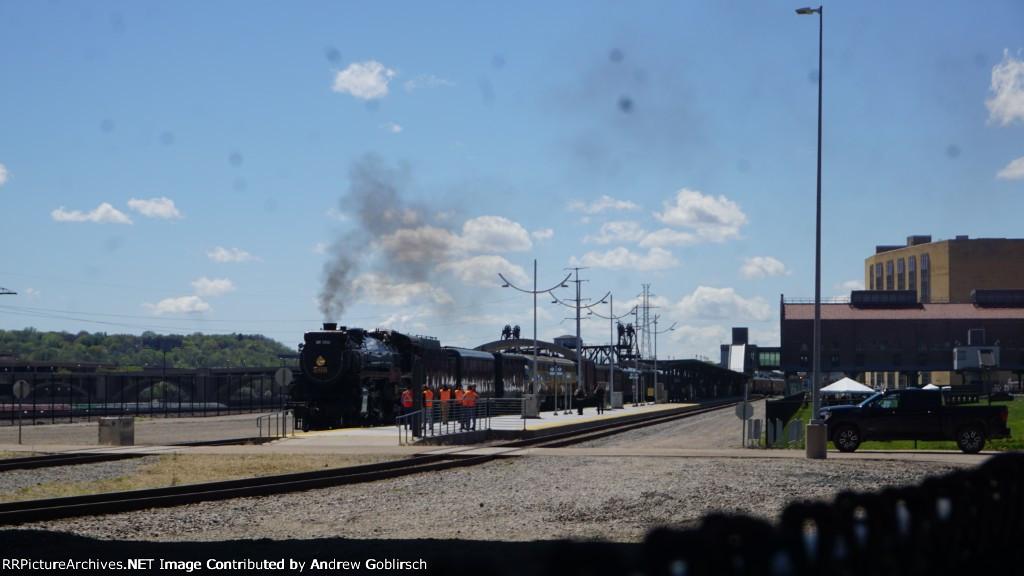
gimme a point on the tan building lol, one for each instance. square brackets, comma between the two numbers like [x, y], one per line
[947, 270]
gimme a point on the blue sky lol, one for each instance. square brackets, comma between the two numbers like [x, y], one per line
[259, 167]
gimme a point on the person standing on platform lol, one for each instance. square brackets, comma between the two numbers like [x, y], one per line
[581, 395]
[599, 398]
[428, 407]
[469, 400]
[446, 399]
[459, 411]
[407, 405]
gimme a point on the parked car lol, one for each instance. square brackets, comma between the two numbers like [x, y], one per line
[914, 414]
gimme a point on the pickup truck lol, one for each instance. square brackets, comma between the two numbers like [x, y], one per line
[914, 414]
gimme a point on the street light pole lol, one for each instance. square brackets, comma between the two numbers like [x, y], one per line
[612, 318]
[669, 329]
[815, 443]
[579, 341]
[507, 284]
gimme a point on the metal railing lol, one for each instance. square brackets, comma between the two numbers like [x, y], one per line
[276, 424]
[452, 418]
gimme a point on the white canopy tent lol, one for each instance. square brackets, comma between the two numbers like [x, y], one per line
[847, 386]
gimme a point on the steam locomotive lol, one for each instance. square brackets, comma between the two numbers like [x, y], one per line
[355, 377]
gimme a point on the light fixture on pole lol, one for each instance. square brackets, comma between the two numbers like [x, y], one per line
[669, 329]
[815, 442]
[612, 318]
[579, 345]
[507, 284]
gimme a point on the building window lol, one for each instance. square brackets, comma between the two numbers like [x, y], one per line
[926, 293]
[834, 360]
[888, 275]
[878, 277]
[803, 360]
[912, 273]
[900, 282]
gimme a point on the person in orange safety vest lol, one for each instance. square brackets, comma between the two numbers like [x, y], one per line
[428, 407]
[446, 400]
[469, 401]
[407, 405]
[460, 414]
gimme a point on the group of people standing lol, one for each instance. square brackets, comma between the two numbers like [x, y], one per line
[581, 398]
[457, 404]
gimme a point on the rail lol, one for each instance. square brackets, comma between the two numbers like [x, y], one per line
[277, 424]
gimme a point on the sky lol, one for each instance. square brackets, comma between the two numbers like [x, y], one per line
[260, 167]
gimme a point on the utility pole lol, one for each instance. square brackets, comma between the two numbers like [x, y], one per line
[507, 284]
[579, 345]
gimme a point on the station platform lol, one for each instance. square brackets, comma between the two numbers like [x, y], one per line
[374, 440]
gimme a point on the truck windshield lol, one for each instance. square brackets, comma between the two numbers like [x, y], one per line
[869, 399]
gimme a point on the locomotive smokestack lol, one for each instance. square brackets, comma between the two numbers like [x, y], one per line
[330, 325]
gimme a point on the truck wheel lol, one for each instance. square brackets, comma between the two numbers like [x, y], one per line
[970, 440]
[847, 439]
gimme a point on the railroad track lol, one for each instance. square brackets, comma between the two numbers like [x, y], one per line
[115, 502]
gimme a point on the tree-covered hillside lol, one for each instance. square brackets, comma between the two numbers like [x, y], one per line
[131, 352]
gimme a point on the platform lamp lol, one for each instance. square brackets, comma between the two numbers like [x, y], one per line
[815, 441]
[507, 284]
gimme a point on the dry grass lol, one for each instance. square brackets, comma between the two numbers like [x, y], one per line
[17, 454]
[180, 469]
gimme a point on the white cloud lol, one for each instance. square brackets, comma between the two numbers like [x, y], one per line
[762, 266]
[391, 127]
[1013, 171]
[427, 81]
[696, 341]
[622, 259]
[215, 287]
[104, 213]
[155, 207]
[617, 232]
[3, 174]
[377, 289]
[364, 80]
[180, 305]
[1007, 103]
[721, 304]
[495, 234]
[714, 219]
[668, 237]
[602, 204]
[483, 270]
[543, 234]
[221, 254]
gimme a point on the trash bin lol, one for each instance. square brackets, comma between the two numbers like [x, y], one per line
[117, 431]
[531, 406]
[616, 400]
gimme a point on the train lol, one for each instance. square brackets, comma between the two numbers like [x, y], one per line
[354, 377]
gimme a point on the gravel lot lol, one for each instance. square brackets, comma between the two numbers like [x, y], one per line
[515, 515]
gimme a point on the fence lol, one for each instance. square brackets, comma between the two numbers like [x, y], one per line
[75, 397]
[450, 418]
[967, 522]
